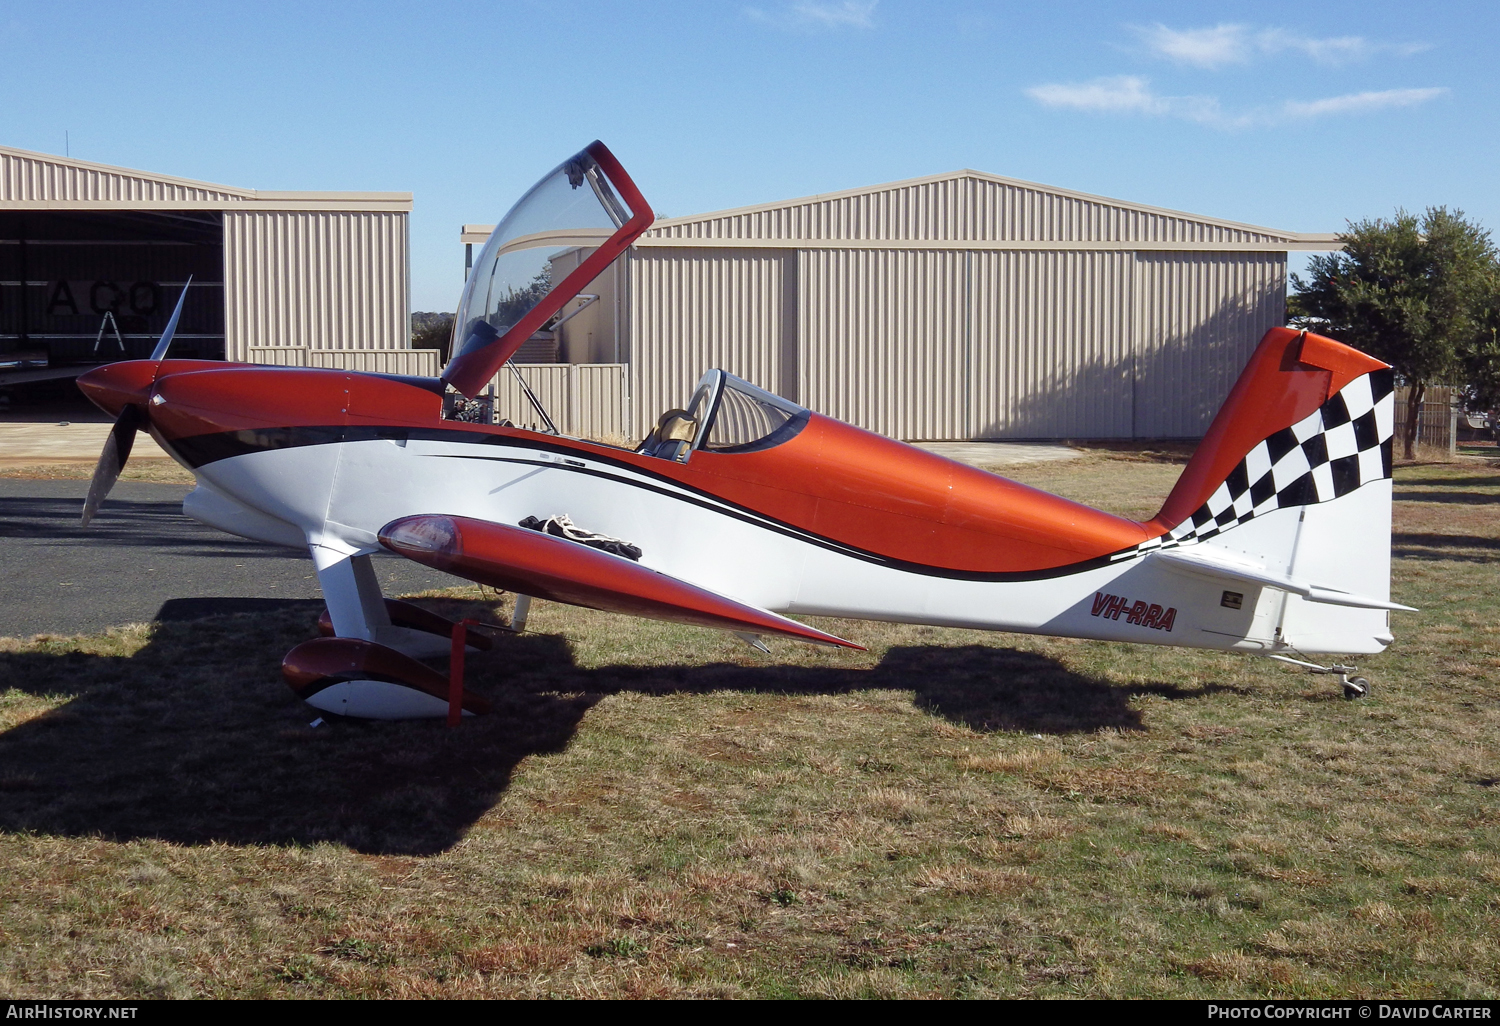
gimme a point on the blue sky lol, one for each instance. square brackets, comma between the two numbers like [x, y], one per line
[1293, 115]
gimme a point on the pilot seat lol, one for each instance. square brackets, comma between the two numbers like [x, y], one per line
[672, 437]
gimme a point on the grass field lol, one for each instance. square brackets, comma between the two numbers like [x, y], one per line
[659, 811]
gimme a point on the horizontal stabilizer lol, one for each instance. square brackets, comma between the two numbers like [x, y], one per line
[532, 563]
[1217, 566]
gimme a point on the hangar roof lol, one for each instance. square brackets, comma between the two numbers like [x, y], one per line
[42, 181]
[969, 210]
[962, 210]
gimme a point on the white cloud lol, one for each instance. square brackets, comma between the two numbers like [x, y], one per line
[1124, 93]
[1128, 94]
[1202, 48]
[810, 14]
[1132, 94]
[837, 15]
[1336, 50]
[1227, 44]
[1360, 103]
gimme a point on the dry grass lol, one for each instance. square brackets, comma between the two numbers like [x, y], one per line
[656, 811]
[157, 471]
[610, 438]
[1428, 454]
[1128, 484]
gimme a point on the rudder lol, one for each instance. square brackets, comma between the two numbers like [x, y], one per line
[1293, 477]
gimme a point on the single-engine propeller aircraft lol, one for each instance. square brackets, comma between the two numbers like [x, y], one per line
[742, 506]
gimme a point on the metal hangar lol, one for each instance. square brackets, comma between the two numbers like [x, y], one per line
[957, 306]
[92, 258]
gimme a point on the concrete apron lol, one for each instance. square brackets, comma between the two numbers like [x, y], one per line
[23, 443]
[989, 454]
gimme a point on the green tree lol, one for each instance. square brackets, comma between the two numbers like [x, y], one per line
[432, 331]
[1481, 356]
[1408, 290]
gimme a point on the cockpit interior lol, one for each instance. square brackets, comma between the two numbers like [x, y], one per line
[727, 414]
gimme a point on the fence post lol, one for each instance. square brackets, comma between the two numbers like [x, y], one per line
[626, 428]
[571, 391]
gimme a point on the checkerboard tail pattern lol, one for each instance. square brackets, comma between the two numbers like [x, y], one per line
[1343, 445]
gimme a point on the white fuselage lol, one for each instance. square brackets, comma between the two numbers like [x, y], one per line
[336, 497]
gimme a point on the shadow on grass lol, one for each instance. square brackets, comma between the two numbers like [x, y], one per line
[1447, 497]
[1489, 480]
[1445, 547]
[979, 686]
[194, 740]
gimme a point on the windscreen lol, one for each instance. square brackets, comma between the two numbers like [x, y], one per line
[746, 418]
[572, 207]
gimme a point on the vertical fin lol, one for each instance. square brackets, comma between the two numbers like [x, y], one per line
[1289, 377]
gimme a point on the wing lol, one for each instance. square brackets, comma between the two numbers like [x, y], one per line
[532, 563]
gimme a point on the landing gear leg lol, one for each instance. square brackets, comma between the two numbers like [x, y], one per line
[352, 591]
[356, 609]
[1354, 687]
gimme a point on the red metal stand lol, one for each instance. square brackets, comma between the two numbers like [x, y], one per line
[456, 665]
[456, 673]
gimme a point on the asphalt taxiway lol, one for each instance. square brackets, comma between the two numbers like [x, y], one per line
[142, 559]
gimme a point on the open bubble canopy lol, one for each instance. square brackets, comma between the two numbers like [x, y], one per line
[587, 202]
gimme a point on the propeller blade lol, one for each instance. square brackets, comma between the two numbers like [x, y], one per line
[160, 352]
[112, 459]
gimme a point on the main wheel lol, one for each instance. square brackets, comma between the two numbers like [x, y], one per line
[353, 677]
[1356, 687]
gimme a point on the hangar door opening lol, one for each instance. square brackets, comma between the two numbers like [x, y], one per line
[79, 288]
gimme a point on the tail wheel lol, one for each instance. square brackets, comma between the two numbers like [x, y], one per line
[1356, 687]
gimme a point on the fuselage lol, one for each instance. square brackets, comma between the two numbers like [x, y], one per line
[835, 521]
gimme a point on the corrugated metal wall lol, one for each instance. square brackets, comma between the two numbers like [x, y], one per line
[597, 403]
[933, 344]
[962, 338]
[276, 356]
[590, 331]
[924, 210]
[422, 363]
[1051, 341]
[26, 177]
[1199, 316]
[320, 279]
[691, 310]
[969, 207]
[1000, 210]
[882, 339]
[584, 400]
